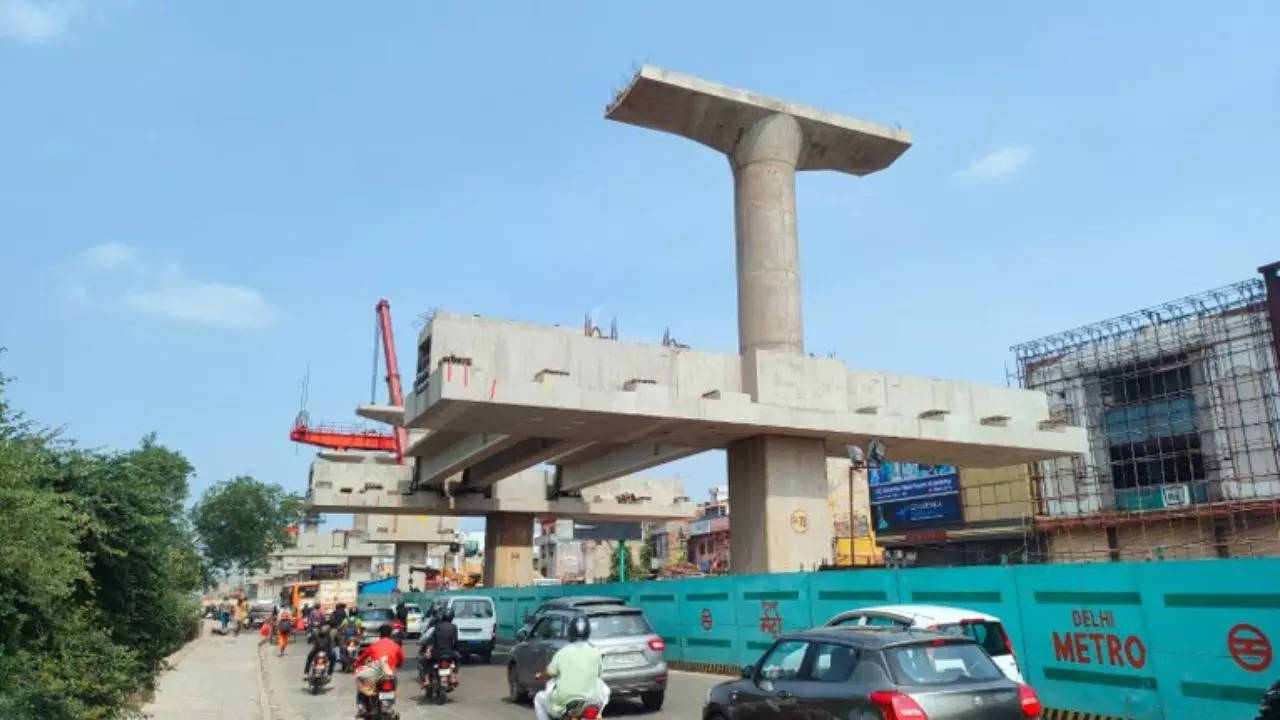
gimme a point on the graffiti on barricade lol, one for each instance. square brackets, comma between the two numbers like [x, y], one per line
[770, 620]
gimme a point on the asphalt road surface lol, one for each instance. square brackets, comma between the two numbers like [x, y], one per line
[482, 693]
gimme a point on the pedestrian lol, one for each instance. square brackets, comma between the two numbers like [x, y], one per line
[224, 612]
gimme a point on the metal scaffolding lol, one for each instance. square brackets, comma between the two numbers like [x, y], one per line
[1182, 408]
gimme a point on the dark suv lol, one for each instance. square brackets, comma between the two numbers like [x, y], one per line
[632, 654]
[565, 603]
[873, 674]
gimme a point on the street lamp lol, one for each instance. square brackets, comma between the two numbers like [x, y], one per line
[859, 460]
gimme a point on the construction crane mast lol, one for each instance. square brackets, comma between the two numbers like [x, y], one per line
[337, 437]
[394, 394]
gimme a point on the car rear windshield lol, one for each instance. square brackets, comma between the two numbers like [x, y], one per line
[619, 625]
[987, 633]
[472, 609]
[376, 616]
[947, 663]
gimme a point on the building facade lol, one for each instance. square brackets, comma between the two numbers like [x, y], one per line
[1182, 408]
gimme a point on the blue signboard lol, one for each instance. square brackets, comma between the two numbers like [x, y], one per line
[912, 494]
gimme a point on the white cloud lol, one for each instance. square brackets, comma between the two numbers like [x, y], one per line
[998, 165]
[37, 20]
[116, 276]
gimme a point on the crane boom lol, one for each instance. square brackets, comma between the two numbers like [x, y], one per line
[394, 393]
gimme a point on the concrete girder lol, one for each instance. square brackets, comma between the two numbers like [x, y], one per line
[443, 453]
[514, 459]
[390, 414]
[620, 461]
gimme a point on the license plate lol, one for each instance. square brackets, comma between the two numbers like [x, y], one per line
[445, 672]
[623, 660]
[386, 696]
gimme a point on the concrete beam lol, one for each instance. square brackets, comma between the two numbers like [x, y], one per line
[443, 453]
[390, 414]
[616, 463]
[516, 458]
[592, 508]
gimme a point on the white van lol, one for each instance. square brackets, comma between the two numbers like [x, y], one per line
[477, 621]
[987, 630]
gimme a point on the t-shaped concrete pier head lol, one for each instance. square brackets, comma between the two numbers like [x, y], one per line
[766, 141]
[781, 520]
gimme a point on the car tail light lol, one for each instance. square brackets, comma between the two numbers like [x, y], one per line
[657, 644]
[1031, 706]
[897, 706]
[590, 712]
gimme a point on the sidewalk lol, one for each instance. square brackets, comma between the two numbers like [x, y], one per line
[216, 678]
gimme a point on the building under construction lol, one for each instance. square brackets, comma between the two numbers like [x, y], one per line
[1181, 404]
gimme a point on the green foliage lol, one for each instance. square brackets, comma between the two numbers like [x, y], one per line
[242, 520]
[97, 572]
[634, 569]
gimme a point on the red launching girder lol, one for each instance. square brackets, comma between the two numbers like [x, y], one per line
[394, 396]
[341, 438]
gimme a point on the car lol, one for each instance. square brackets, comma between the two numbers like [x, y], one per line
[260, 612]
[635, 664]
[477, 622]
[987, 630]
[374, 618]
[872, 673]
[415, 622]
[573, 601]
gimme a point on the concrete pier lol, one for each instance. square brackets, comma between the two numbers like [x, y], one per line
[780, 480]
[508, 550]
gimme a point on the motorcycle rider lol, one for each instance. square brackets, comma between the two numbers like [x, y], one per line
[387, 651]
[440, 642]
[574, 673]
[315, 618]
[323, 643]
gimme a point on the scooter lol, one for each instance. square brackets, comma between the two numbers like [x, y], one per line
[581, 710]
[319, 676]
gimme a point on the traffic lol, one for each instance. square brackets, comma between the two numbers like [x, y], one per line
[576, 657]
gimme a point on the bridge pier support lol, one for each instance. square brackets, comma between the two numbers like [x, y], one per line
[508, 549]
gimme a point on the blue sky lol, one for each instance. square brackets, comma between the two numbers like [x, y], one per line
[199, 201]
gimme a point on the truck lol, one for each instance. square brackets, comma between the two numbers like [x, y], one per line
[333, 592]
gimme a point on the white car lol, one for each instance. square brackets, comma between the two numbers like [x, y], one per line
[416, 622]
[987, 630]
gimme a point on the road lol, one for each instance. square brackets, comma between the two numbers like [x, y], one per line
[482, 694]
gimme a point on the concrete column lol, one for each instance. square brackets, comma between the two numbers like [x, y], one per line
[780, 519]
[764, 203]
[359, 569]
[409, 554]
[508, 550]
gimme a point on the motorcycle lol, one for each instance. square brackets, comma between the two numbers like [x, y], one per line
[386, 707]
[319, 676]
[581, 710]
[349, 655]
[439, 679]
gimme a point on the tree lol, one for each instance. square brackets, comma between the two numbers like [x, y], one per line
[96, 572]
[241, 521]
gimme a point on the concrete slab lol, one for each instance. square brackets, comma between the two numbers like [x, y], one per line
[718, 116]
[709, 400]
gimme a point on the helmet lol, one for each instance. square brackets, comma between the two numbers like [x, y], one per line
[579, 629]
[446, 615]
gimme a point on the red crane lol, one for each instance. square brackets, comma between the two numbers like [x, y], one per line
[350, 437]
[394, 395]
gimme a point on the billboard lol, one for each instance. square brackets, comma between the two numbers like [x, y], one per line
[905, 495]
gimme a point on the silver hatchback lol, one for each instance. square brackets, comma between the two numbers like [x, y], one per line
[635, 664]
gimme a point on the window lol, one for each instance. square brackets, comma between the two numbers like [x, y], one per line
[886, 621]
[783, 661]
[951, 663]
[850, 621]
[988, 634]
[619, 625]
[472, 609]
[376, 616]
[832, 663]
[1149, 417]
[549, 628]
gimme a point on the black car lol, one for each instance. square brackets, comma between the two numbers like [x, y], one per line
[565, 603]
[869, 673]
